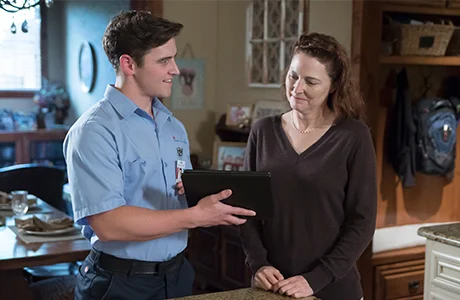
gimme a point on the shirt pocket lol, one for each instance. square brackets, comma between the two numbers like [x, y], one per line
[134, 171]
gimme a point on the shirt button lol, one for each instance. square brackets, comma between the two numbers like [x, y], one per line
[143, 162]
[166, 164]
[170, 195]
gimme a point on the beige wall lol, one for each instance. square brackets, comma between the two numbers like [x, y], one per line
[216, 31]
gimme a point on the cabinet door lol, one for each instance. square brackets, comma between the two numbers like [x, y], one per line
[453, 3]
[44, 146]
[11, 149]
[204, 251]
[8, 154]
[401, 280]
[235, 274]
[436, 3]
[49, 152]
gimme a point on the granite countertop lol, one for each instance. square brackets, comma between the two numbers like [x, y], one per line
[446, 233]
[243, 294]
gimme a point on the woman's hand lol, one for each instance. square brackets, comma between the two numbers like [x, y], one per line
[295, 287]
[266, 277]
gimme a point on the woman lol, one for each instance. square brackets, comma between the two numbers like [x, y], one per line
[321, 158]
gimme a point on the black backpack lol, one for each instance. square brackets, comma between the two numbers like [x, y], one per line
[436, 122]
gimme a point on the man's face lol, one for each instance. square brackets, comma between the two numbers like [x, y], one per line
[156, 74]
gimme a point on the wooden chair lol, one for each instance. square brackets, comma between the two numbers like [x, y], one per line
[45, 182]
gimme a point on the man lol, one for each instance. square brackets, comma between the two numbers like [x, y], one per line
[122, 156]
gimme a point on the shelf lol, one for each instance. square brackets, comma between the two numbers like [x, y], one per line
[421, 10]
[421, 60]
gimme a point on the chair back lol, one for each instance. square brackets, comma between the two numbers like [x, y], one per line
[43, 181]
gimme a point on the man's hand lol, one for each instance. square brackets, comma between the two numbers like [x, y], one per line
[266, 277]
[180, 188]
[295, 287]
[210, 211]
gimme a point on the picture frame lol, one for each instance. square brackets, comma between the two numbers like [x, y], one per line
[265, 108]
[228, 156]
[238, 115]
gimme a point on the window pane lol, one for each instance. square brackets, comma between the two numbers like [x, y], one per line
[257, 62]
[274, 18]
[22, 69]
[258, 19]
[291, 26]
[273, 55]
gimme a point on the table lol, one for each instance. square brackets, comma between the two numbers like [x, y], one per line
[15, 255]
[243, 294]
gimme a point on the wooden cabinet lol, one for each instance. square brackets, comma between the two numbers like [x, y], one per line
[37, 146]
[235, 274]
[399, 280]
[218, 258]
[398, 274]
[435, 3]
[453, 3]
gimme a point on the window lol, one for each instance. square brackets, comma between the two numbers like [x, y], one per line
[272, 29]
[20, 52]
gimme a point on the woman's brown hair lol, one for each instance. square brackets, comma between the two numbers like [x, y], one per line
[345, 98]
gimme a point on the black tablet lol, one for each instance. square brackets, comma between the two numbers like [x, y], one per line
[251, 190]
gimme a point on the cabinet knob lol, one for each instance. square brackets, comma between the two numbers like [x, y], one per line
[413, 285]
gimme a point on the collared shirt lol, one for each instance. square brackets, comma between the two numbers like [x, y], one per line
[118, 155]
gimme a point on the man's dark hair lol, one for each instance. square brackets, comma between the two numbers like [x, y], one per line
[134, 33]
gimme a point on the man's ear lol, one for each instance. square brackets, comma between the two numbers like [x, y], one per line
[127, 65]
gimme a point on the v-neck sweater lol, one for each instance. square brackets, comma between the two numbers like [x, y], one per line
[325, 201]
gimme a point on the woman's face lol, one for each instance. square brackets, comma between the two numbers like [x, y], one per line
[307, 83]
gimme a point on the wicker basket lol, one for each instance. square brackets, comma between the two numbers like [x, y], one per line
[423, 39]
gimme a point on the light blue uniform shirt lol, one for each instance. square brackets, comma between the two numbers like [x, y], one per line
[118, 155]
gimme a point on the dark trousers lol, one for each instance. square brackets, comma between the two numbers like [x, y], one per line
[103, 276]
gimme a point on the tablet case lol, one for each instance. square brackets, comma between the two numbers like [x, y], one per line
[251, 190]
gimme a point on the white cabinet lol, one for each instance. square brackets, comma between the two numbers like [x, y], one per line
[442, 271]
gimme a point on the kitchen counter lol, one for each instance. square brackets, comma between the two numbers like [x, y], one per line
[447, 234]
[243, 294]
[442, 261]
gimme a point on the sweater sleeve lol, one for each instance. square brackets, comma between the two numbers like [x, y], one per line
[251, 231]
[360, 207]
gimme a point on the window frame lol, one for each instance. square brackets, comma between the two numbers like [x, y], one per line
[303, 20]
[44, 58]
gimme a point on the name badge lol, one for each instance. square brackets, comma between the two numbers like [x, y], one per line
[180, 166]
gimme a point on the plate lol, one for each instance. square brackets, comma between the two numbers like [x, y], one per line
[55, 232]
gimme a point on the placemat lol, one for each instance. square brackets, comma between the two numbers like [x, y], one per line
[28, 239]
[31, 211]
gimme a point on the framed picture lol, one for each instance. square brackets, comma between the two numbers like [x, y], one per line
[265, 108]
[188, 87]
[228, 156]
[238, 114]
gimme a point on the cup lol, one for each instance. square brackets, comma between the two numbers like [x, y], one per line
[19, 203]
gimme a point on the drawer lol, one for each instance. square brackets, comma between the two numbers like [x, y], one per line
[446, 268]
[404, 284]
[400, 281]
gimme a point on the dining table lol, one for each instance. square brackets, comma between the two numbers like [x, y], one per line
[15, 254]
